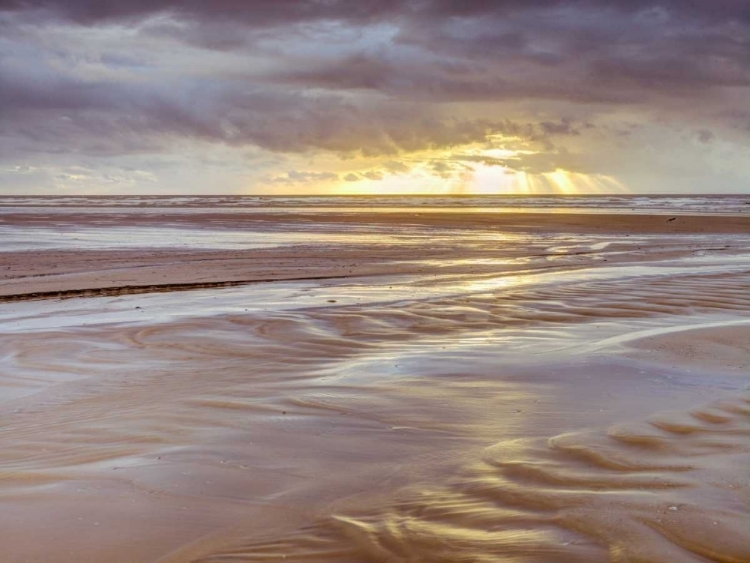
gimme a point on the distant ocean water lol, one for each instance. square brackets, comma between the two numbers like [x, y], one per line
[499, 203]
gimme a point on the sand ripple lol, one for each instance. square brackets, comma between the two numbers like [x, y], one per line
[671, 488]
[222, 422]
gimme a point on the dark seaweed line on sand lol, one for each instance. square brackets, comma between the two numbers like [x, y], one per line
[154, 288]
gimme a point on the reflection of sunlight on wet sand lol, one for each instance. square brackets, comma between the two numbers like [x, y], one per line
[491, 284]
[444, 394]
[658, 487]
[469, 381]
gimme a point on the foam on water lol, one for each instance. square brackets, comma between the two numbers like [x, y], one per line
[619, 203]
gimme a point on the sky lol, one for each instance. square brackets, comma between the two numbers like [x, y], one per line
[374, 96]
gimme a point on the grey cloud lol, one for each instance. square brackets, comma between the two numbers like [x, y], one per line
[262, 12]
[564, 127]
[294, 177]
[536, 163]
[373, 175]
[51, 111]
[704, 136]
[446, 169]
[600, 57]
[367, 77]
[396, 167]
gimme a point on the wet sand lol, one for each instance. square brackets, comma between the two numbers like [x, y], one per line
[373, 387]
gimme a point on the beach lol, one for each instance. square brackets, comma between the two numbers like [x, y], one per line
[375, 380]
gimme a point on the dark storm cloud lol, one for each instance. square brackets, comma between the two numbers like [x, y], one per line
[585, 52]
[262, 12]
[59, 114]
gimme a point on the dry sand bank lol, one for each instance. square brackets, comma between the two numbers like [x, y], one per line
[509, 222]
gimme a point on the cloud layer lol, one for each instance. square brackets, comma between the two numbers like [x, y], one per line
[580, 85]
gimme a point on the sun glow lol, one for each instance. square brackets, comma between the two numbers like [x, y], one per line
[486, 180]
[491, 180]
[561, 180]
[472, 170]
